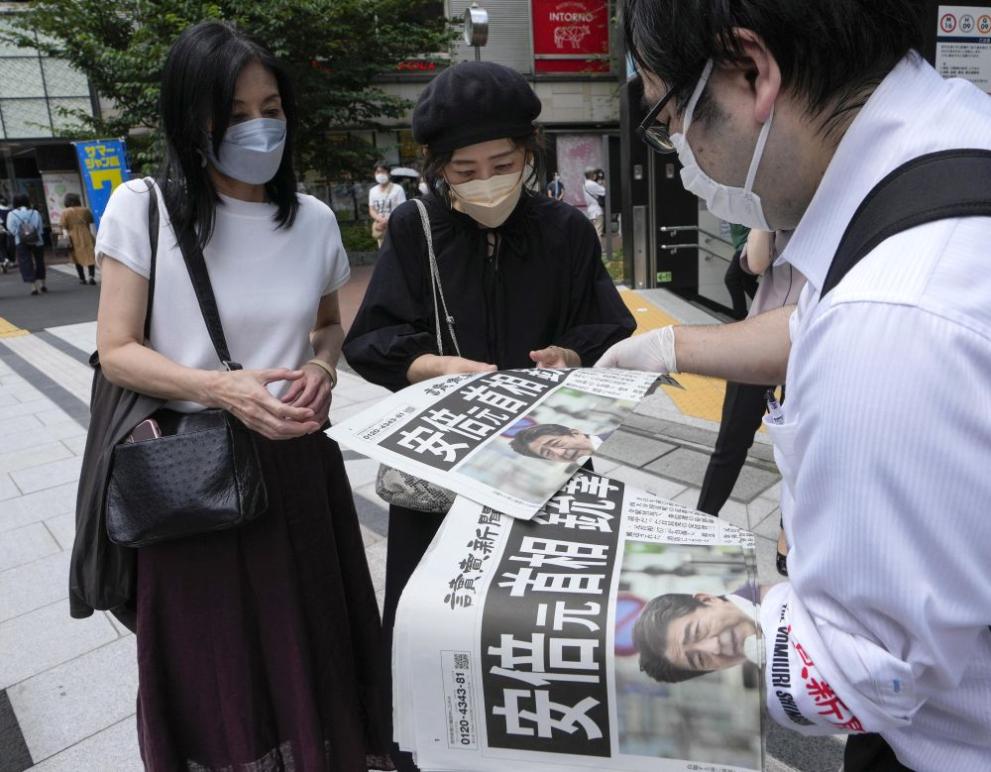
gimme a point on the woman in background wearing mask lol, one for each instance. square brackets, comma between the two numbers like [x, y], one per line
[252, 643]
[522, 274]
[383, 199]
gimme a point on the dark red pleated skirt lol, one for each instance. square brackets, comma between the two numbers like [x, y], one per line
[258, 647]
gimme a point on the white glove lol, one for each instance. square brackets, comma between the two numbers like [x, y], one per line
[653, 351]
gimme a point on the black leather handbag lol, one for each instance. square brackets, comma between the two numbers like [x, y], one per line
[203, 473]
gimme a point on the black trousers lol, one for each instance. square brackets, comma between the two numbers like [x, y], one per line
[743, 408]
[410, 533]
[740, 284]
[31, 261]
[81, 275]
[870, 753]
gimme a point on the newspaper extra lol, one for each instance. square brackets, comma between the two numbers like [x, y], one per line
[507, 439]
[539, 644]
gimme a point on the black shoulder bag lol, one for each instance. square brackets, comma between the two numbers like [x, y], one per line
[203, 473]
[938, 186]
[101, 573]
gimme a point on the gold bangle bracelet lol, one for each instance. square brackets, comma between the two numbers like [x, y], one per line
[326, 368]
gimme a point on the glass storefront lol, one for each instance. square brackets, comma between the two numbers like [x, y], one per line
[35, 92]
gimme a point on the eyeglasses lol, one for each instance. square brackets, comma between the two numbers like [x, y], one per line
[657, 135]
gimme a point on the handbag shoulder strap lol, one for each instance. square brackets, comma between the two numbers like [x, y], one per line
[938, 186]
[192, 256]
[436, 287]
[153, 241]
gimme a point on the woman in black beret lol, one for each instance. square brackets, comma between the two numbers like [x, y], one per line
[522, 274]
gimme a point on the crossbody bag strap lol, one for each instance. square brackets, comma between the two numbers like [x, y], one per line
[436, 288]
[153, 242]
[192, 256]
[938, 186]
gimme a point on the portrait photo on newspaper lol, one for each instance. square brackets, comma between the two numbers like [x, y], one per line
[553, 644]
[506, 439]
[552, 440]
[687, 654]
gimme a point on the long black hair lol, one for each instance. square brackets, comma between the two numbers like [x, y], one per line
[198, 84]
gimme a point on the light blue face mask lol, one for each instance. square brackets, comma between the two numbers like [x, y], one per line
[251, 152]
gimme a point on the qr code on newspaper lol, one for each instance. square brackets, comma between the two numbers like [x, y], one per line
[459, 693]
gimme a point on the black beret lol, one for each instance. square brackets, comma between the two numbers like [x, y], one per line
[474, 102]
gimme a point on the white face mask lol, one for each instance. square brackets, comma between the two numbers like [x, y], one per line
[251, 151]
[739, 206]
[490, 202]
[381, 178]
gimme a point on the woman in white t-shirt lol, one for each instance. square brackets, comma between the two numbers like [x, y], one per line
[253, 644]
[383, 199]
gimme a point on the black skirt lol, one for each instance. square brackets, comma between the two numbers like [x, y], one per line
[257, 646]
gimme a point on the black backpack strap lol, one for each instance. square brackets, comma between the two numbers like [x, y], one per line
[939, 186]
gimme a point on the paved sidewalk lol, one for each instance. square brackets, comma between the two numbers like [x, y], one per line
[67, 687]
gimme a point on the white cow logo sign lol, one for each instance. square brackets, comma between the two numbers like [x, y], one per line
[574, 35]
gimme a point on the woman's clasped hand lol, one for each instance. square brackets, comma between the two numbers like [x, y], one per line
[313, 390]
[244, 394]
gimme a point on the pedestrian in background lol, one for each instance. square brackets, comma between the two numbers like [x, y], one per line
[6, 240]
[522, 274]
[24, 222]
[595, 197]
[254, 644]
[77, 224]
[555, 188]
[383, 198]
[745, 404]
[738, 281]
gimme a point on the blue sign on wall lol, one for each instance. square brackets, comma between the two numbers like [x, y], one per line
[103, 166]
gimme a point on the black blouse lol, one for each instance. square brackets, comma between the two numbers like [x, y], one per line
[544, 285]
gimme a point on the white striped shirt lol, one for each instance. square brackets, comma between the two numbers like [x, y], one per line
[885, 455]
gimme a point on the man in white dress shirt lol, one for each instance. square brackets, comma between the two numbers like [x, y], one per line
[786, 114]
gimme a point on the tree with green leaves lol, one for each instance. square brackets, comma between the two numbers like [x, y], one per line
[335, 50]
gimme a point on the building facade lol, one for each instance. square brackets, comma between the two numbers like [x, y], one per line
[36, 91]
[565, 48]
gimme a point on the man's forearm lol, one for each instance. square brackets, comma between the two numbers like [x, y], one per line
[753, 351]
